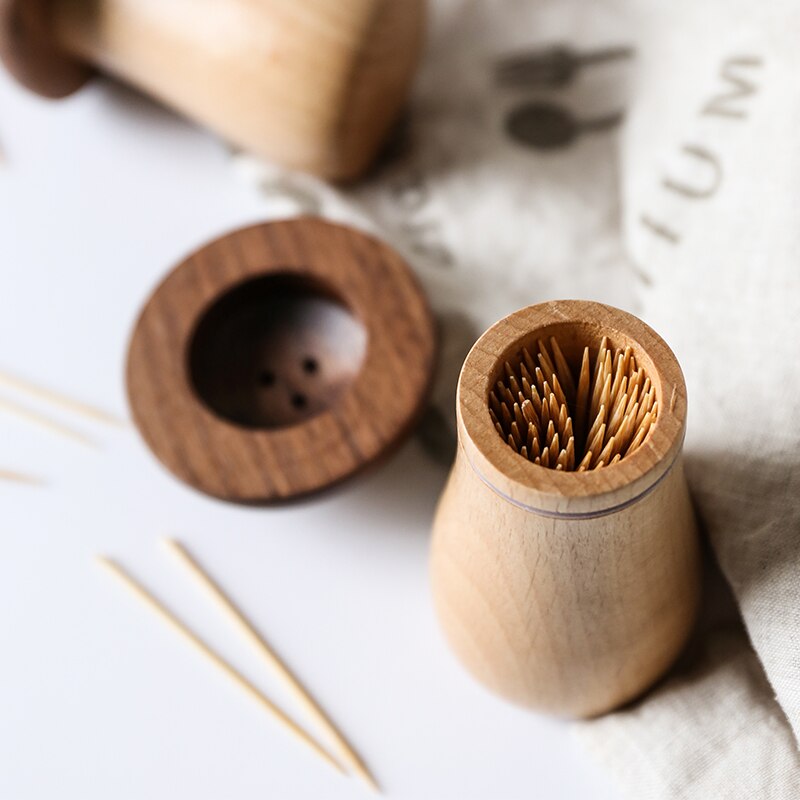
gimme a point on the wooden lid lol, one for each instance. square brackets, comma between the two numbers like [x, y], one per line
[30, 53]
[280, 359]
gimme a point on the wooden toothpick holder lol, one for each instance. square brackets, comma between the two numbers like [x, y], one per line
[569, 592]
[312, 84]
[281, 359]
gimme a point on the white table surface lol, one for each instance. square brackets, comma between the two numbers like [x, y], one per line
[99, 196]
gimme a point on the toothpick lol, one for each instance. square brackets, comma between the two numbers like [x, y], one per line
[555, 408]
[162, 611]
[18, 477]
[554, 449]
[541, 382]
[550, 434]
[582, 402]
[58, 399]
[558, 391]
[519, 418]
[564, 372]
[570, 451]
[605, 392]
[617, 415]
[598, 421]
[545, 360]
[625, 432]
[529, 413]
[529, 362]
[567, 433]
[608, 451]
[44, 422]
[596, 444]
[563, 420]
[344, 749]
[642, 432]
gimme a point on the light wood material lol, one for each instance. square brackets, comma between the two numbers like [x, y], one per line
[569, 592]
[58, 399]
[315, 85]
[345, 751]
[254, 693]
[40, 420]
[281, 359]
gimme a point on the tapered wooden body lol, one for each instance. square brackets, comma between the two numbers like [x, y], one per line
[571, 593]
[314, 85]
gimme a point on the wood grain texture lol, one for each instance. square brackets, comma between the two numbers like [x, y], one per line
[314, 85]
[275, 460]
[567, 592]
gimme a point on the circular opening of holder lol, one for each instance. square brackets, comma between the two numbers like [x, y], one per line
[275, 351]
[617, 471]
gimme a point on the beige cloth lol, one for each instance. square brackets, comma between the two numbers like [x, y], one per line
[709, 172]
[721, 172]
[713, 732]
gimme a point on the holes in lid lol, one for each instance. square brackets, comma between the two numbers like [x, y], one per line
[310, 365]
[276, 351]
[266, 378]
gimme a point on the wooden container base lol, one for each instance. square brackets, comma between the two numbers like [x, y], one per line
[569, 592]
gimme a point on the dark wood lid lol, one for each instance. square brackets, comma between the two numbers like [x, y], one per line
[280, 359]
[30, 53]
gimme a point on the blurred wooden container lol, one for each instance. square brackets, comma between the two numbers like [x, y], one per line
[569, 592]
[312, 84]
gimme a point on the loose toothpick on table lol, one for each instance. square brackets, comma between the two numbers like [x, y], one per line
[58, 399]
[16, 477]
[44, 422]
[155, 605]
[344, 749]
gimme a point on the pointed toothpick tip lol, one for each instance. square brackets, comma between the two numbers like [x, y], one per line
[368, 780]
[11, 476]
[60, 400]
[603, 420]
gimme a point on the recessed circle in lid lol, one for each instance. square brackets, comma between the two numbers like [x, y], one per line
[280, 359]
[275, 351]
